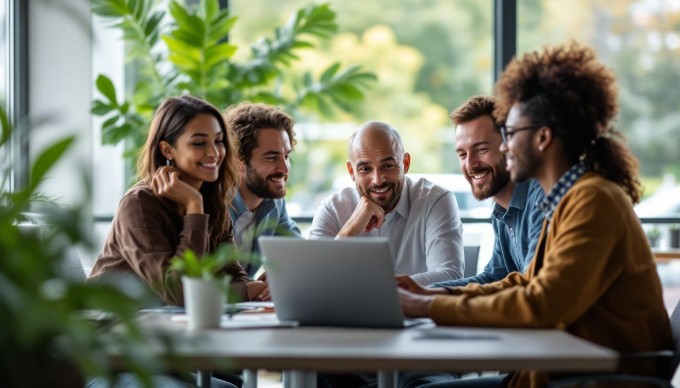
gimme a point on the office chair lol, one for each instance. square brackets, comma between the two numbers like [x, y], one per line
[70, 267]
[669, 358]
[471, 256]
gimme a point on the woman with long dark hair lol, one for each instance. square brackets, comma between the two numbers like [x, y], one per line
[187, 174]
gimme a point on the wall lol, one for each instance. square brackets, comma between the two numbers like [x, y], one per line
[62, 68]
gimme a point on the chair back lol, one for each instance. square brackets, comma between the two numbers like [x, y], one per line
[70, 267]
[471, 255]
[670, 360]
[675, 328]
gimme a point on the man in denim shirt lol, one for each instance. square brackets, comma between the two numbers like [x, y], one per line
[266, 139]
[516, 219]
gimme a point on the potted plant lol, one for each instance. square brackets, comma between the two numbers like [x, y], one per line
[653, 236]
[205, 285]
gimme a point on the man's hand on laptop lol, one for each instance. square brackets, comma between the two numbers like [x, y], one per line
[258, 290]
[407, 283]
[415, 305]
[367, 216]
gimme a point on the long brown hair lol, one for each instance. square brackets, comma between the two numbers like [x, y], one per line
[168, 124]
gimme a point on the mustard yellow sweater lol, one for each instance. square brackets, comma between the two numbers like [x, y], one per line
[598, 281]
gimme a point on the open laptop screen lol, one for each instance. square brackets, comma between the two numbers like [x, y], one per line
[347, 282]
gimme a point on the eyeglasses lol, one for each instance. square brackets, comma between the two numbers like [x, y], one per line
[507, 135]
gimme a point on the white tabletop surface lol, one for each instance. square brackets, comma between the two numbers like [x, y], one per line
[424, 348]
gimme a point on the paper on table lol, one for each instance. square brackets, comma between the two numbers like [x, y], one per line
[249, 321]
[268, 305]
[435, 334]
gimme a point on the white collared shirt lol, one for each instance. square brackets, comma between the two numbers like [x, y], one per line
[424, 229]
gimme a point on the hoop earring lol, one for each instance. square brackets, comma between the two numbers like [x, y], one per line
[170, 162]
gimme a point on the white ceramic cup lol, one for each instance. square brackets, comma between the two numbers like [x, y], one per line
[204, 301]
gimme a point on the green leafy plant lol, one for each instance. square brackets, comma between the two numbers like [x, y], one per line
[653, 236]
[184, 50]
[654, 232]
[47, 333]
[206, 267]
[210, 265]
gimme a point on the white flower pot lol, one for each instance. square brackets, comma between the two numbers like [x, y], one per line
[204, 301]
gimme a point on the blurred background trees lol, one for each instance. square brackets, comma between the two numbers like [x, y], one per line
[429, 56]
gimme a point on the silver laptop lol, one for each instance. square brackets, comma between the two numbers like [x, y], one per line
[348, 282]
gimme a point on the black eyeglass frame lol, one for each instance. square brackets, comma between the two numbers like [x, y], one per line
[506, 136]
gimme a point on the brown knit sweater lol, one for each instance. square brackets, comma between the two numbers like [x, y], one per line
[147, 232]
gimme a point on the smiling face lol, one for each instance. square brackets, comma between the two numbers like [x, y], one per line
[481, 161]
[377, 166]
[522, 159]
[199, 151]
[266, 173]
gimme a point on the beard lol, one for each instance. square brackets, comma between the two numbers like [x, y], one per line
[389, 199]
[525, 166]
[499, 179]
[259, 185]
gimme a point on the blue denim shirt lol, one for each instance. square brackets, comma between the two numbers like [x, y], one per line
[516, 233]
[271, 219]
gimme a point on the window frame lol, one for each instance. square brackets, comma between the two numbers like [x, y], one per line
[16, 93]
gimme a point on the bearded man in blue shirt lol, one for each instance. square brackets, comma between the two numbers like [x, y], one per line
[516, 219]
[265, 141]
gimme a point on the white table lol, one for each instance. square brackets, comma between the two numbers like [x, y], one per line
[307, 350]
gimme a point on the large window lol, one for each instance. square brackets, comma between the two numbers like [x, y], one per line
[428, 56]
[640, 41]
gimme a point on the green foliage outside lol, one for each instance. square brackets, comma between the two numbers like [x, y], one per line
[430, 56]
[47, 333]
[176, 48]
[638, 40]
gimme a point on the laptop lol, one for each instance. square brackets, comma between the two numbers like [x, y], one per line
[348, 282]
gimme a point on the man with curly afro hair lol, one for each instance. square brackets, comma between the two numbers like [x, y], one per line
[593, 273]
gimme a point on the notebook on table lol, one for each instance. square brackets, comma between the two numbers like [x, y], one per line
[348, 282]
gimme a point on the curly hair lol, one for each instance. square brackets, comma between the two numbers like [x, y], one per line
[247, 119]
[473, 108]
[568, 90]
[168, 124]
